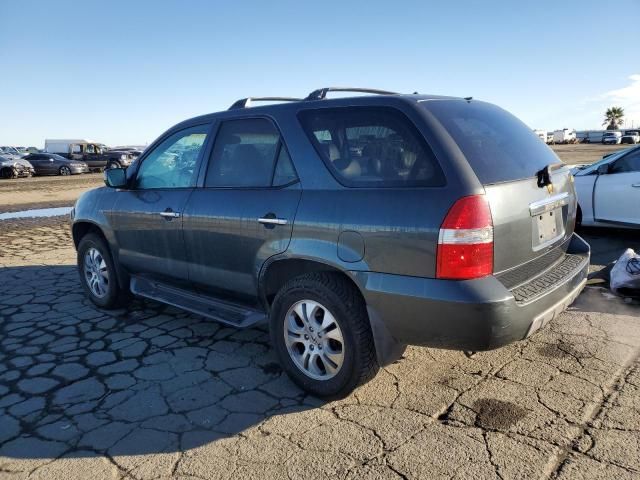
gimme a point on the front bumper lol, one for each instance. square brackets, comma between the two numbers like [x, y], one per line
[475, 315]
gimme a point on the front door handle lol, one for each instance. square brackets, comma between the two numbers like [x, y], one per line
[272, 221]
[169, 214]
[636, 185]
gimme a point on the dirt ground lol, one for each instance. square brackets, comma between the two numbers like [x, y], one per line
[584, 153]
[150, 391]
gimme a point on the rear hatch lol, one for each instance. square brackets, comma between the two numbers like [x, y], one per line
[529, 190]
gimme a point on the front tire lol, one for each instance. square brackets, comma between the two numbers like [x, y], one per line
[98, 274]
[113, 165]
[320, 330]
[65, 171]
[8, 172]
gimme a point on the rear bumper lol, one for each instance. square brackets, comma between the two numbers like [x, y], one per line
[479, 314]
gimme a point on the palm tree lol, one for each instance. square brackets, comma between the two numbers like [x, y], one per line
[613, 118]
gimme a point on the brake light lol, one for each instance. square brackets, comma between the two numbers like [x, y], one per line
[465, 243]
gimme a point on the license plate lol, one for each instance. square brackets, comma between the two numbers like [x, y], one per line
[548, 227]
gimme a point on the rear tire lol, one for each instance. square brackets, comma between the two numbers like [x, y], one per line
[98, 275]
[331, 351]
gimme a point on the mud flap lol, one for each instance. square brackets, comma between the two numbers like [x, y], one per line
[388, 349]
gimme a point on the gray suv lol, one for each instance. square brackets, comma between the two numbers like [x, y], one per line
[354, 226]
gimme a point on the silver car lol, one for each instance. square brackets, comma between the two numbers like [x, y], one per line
[15, 167]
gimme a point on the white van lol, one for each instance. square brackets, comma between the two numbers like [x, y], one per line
[542, 134]
[566, 135]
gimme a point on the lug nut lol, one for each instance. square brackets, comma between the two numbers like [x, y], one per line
[306, 337]
[310, 347]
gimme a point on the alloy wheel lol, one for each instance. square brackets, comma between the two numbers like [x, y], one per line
[96, 273]
[314, 340]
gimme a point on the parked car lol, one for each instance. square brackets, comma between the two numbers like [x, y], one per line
[609, 191]
[611, 138]
[11, 152]
[94, 154]
[52, 164]
[133, 151]
[631, 136]
[355, 225]
[15, 167]
[549, 138]
[566, 135]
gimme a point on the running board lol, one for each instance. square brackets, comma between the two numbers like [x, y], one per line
[221, 311]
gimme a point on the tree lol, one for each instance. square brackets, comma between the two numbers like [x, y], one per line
[613, 118]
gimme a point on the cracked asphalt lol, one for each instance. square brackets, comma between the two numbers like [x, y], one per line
[153, 392]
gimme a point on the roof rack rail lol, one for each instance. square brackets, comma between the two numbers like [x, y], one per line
[322, 92]
[245, 102]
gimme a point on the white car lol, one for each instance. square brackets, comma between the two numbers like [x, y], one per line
[609, 191]
[631, 136]
[612, 138]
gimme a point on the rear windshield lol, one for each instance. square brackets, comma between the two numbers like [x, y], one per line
[498, 146]
[372, 147]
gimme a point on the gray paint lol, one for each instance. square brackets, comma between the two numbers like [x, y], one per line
[385, 240]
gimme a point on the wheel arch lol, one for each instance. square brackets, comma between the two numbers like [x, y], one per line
[279, 271]
[81, 228]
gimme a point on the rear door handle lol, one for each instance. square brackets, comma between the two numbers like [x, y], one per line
[272, 221]
[636, 185]
[168, 213]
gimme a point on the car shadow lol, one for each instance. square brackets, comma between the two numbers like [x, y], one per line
[140, 380]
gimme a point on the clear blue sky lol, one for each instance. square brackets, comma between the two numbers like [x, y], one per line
[123, 71]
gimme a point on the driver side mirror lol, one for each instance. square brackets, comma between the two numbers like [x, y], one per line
[603, 169]
[115, 177]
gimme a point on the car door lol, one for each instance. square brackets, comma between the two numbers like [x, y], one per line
[244, 212]
[147, 218]
[617, 193]
[38, 163]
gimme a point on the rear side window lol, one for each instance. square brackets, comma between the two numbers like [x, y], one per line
[249, 153]
[372, 147]
[497, 145]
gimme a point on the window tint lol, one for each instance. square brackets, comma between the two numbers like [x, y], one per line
[628, 163]
[244, 155]
[172, 164]
[497, 145]
[369, 147]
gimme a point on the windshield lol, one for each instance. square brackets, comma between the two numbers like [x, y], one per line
[498, 146]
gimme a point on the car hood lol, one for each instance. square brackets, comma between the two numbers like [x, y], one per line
[14, 161]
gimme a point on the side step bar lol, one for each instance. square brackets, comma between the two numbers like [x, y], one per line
[221, 311]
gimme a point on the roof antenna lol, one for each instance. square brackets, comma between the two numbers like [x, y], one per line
[468, 99]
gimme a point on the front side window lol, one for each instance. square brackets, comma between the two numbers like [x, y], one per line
[372, 147]
[172, 164]
[249, 153]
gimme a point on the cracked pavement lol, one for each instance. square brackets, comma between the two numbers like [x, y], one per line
[154, 392]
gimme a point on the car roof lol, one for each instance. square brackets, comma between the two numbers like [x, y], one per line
[303, 104]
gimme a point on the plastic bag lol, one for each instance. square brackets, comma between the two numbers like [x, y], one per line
[625, 274]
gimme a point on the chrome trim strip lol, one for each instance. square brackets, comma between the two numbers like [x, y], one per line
[273, 221]
[548, 204]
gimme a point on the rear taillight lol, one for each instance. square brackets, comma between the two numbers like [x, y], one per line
[465, 244]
